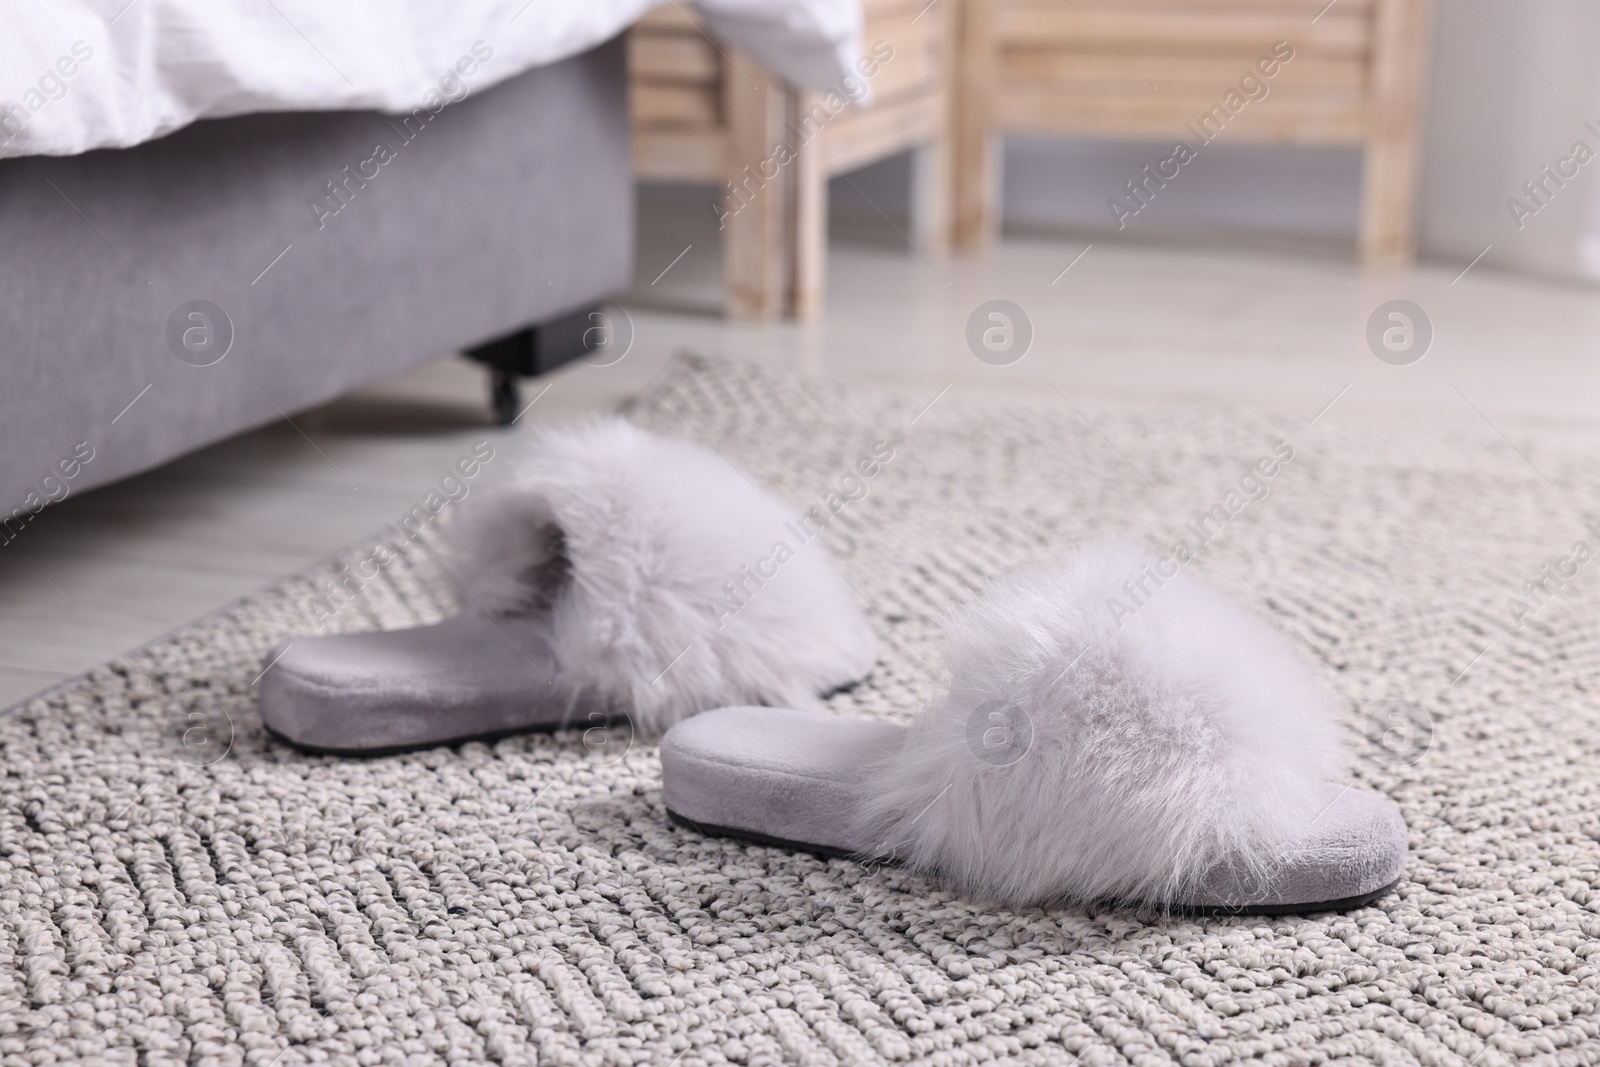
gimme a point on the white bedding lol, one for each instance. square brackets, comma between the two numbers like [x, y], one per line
[83, 74]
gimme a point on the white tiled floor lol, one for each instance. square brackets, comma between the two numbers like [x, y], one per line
[1277, 327]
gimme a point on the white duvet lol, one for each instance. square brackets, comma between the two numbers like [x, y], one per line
[83, 74]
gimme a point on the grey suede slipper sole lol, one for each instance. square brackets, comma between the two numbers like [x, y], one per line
[466, 678]
[794, 779]
[387, 691]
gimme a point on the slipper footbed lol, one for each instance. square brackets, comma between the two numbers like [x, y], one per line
[786, 775]
[395, 689]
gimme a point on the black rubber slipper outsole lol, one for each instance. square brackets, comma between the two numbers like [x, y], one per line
[1213, 911]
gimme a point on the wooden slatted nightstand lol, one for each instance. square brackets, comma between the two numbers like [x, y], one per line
[1154, 69]
[703, 112]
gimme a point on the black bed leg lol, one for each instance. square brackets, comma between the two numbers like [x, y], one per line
[505, 396]
[531, 351]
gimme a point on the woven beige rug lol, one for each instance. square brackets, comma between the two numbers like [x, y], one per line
[176, 888]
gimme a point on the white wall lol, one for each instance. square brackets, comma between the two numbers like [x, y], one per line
[1495, 119]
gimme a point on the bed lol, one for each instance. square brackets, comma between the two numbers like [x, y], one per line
[214, 219]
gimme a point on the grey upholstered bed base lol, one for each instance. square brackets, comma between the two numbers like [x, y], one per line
[508, 208]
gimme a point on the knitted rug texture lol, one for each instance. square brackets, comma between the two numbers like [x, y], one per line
[176, 887]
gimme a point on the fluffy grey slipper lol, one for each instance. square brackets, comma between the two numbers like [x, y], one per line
[1114, 731]
[620, 575]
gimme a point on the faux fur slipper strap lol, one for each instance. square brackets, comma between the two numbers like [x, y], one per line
[1114, 729]
[628, 545]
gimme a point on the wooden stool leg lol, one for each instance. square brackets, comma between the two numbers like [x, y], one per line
[1389, 177]
[808, 238]
[932, 163]
[753, 228]
[976, 164]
